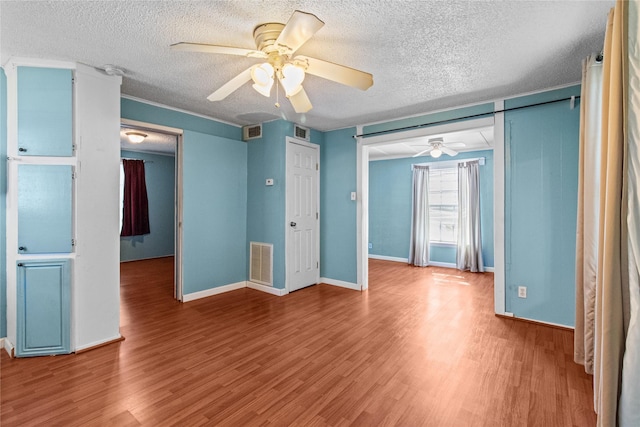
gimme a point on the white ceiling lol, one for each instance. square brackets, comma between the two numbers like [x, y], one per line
[155, 142]
[473, 140]
[424, 55]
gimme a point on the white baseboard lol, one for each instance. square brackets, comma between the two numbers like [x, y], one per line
[558, 325]
[489, 269]
[145, 259]
[441, 264]
[389, 258]
[8, 347]
[213, 291]
[340, 283]
[100, 343]
[268, 289]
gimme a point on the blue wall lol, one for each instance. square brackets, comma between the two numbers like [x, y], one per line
[541, 180]
[160, 178]
[390, 207]
[134, 110]
[338, 213]
[3, 194]
[266, 206]
[214, 204]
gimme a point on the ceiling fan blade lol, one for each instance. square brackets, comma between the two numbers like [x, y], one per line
[300, 28]
[231, 86]
[448, 151]
[423, 152]
[212, 48]
[337, 73]
[300, 102]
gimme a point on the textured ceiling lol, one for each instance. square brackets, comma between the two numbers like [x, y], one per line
[424, 55]
[460, 141]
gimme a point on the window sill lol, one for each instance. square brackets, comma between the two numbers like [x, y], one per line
[443, 244]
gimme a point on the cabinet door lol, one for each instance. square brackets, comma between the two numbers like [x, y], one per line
[45, 112]
[44, 208]
[43, 308]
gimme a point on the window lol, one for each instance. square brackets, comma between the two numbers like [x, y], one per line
[443, 205]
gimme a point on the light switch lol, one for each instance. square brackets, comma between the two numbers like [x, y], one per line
[269, 182]
[353, 195]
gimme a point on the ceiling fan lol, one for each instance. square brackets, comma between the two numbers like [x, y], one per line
[437, 147]
[276, 44]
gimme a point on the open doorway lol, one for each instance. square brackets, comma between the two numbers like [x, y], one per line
[400, 147]
[158, 150]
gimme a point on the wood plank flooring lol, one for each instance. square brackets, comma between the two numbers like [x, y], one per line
[421, 347]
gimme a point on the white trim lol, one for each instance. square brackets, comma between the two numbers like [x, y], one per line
[179, 110]
[475, 104]
[213, 291]
[542, 322]
[448, 164]
[362, 212]
[268, 289]
[340, 283]
[498, 210]
[430, 130]
[489, 269]
[98, 343]
[151, 126]
[8, 347]
[37, 62]
[389, 258]
[441, 264]
[145, 259]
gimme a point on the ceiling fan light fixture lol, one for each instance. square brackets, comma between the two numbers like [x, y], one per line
[436, 152]
[136, 137]
[262, 76]
[292, 78]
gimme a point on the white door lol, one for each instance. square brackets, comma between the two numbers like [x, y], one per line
[302, 261]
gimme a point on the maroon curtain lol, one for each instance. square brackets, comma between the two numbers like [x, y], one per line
[135, 218]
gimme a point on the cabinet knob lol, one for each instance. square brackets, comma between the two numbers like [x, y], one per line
[20, 264]
[22, 248]
[22, 150]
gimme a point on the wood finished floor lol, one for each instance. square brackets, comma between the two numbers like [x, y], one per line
[421, 347]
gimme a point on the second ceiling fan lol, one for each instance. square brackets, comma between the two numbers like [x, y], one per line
[276, 44]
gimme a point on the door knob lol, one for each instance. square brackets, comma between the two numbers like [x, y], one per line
[293, 224]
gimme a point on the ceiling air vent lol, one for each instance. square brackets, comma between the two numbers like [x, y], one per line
[302, 133]
[251, 132]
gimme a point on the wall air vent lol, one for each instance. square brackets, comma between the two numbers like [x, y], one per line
[302, 133]
[251, 132]
[261, 259]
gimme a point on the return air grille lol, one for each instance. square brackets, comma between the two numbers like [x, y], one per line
[261, 255]
[301, 132]
[251, 132]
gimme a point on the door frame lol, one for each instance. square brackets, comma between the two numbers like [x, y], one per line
[362, 149]
[177, 260]
[287, 255]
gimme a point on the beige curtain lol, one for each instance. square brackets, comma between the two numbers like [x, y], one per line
[629, 405]
[608, 304]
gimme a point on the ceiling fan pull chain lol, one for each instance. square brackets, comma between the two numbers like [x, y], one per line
[277, 93]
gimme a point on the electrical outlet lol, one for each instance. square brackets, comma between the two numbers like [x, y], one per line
[370, 245]
[522, 291]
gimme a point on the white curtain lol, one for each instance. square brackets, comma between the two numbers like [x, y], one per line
[419, 246]
[588, 210]
[469, 245]
[629, 406]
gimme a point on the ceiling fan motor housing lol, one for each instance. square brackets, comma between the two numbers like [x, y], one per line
[266, 35]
